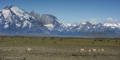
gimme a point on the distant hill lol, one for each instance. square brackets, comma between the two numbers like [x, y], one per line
[40, 35]
[100, 35]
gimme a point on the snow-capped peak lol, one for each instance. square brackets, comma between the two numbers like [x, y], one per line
[16, 10]
[67, 24]
[84, 23]
[113, 25]
[13, 10]
[8, 7]
[17, 20]
[6, 13]
[14, 15]
[49, 26]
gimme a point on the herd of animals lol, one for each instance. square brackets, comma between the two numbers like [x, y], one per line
[81, 50]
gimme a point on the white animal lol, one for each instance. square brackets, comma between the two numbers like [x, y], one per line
[89, 50]
[29, 49]
[102, 49]
[94, 50]
[82, 50]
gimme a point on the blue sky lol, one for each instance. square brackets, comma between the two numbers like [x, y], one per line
[69, 11]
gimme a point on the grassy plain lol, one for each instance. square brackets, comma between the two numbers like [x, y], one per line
[58, 48]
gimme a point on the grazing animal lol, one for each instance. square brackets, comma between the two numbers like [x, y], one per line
[89, 50]
[82, 50]
[94, 50]
[29, 49]
[102, 49]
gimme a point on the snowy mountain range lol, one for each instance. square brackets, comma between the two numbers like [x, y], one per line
[14, 20]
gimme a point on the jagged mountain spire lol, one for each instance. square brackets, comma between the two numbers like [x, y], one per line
[16, 21]
[32, 13]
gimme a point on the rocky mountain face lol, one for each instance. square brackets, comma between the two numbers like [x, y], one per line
[87, 28]
[17, 21]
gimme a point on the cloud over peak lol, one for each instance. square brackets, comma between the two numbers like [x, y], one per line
[111, 20]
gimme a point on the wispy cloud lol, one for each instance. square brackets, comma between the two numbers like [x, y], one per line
[111, 20]
[94, 20]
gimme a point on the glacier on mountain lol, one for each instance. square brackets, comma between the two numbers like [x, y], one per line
[49, 26]
[17, 21]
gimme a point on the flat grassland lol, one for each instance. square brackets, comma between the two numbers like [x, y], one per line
[59, 48]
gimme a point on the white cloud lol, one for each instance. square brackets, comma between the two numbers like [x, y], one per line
[111, 20]
[93, 20]
[96, 20]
